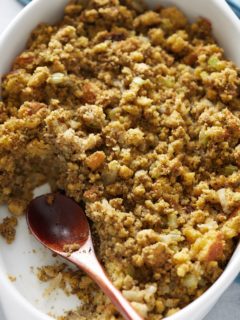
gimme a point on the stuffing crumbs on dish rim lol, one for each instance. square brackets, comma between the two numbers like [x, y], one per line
[136, 113]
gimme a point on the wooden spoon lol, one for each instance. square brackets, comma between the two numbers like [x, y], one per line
[60, 224]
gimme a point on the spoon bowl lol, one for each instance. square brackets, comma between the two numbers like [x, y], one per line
[57, 221]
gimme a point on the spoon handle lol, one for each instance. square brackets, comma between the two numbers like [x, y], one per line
[93, 268]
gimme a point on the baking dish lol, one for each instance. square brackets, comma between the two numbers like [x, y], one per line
[16, 297]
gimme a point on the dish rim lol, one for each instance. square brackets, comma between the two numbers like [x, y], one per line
[217, 288]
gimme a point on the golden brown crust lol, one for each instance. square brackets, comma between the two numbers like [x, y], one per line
[136, 112]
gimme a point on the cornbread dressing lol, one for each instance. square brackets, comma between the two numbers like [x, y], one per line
[135, 113]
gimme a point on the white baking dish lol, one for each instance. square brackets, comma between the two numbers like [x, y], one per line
[20, 298]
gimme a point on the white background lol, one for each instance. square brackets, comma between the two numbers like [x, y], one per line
[228, 308]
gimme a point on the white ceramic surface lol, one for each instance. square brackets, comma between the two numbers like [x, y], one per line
[26, 294]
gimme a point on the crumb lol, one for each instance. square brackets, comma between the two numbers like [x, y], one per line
[50, 199]
[8, 229]
[12, 278]
[70, 248]
[17, 207]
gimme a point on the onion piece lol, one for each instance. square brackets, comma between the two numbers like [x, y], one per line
[222, 198]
